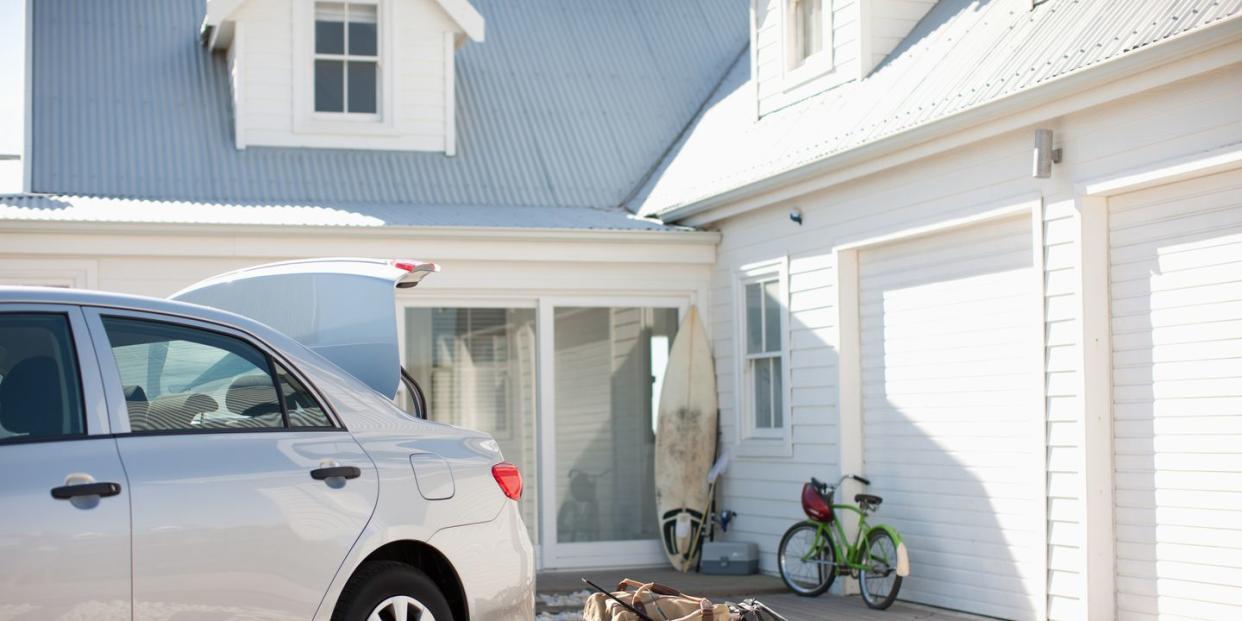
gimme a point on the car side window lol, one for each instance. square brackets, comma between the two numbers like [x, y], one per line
[177, 378]
[40, 388]
[303, 410]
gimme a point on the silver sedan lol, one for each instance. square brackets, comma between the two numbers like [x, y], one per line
[166, 460]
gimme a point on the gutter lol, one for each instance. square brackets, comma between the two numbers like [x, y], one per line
[409, 233]
[1127, 65]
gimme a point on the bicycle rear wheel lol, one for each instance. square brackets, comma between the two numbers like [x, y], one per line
[879, 582]
[807, 570]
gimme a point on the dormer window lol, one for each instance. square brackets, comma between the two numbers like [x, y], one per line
[343, 74]
[808, 27]
[347, 58]
[807, 41]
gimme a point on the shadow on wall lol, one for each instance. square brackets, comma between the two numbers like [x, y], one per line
[948, 419]
[1176, 338]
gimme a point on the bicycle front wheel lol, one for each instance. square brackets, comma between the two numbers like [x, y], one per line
[879, 582]
[806, 561]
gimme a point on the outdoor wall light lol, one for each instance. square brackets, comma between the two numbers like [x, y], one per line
[795, 214]
[1045, 154]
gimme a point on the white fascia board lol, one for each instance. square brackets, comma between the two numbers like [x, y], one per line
[950, 130]
[465, 16]
[220, 10]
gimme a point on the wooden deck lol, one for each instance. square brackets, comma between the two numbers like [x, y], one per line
[767, 589]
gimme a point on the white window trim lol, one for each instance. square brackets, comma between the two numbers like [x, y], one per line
[795, 70]
[305, 119]
[751, 440]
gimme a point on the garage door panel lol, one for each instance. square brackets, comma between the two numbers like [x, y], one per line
[1176, 291]
[950, 435]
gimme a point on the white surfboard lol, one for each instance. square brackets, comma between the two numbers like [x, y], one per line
[685, 442]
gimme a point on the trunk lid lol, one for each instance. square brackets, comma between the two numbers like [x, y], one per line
[342, 308]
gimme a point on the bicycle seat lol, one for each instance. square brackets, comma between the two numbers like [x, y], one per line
[868, 499]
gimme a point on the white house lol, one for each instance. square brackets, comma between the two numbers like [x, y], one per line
[1034, 354]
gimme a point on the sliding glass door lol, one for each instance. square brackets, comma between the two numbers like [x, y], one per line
[570, 393]
[607, 363]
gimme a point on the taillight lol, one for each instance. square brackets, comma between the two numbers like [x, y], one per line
[509, 479]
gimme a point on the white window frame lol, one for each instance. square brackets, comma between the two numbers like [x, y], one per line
[754, 440]
[799, 70]
[345, 57]
[305, 118]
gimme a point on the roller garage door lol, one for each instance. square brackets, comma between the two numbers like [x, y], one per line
[952, 433]
[1176, 293]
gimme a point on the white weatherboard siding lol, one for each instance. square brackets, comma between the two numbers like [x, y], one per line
[1176, 288]
[1177, 121]
[949, 438]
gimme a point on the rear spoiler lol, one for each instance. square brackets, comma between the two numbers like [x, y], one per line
[343, 308]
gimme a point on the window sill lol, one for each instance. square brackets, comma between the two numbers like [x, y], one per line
[765, 446]
[347, 124]
[812, 68]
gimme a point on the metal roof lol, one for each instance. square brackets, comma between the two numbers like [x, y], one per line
[566, 105]
[963, 54]
[60, 208]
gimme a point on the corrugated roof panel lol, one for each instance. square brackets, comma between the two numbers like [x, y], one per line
[566, 104]
[964, 53]
[63, 208]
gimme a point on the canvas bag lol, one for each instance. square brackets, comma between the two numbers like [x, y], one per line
[659, 602]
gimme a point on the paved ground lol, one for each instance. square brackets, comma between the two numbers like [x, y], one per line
[562, 592]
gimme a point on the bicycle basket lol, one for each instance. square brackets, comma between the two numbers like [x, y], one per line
[817, 506]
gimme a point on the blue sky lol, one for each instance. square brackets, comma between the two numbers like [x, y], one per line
[12, 64]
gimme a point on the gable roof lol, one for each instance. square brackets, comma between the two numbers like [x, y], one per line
[565, 106]
[963, 55]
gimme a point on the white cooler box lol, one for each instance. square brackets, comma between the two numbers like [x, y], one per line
[734, 558]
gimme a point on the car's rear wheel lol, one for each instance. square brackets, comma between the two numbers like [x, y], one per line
[391, 591]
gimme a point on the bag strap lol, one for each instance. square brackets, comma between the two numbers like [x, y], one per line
[654, 587]
[707, 610]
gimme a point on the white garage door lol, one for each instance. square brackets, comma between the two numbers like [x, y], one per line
[1176, 286]
[950, 367]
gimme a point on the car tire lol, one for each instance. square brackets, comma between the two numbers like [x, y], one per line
[386, 582]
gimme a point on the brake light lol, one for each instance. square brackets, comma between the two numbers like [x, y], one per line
[404, 265]
[509, 479]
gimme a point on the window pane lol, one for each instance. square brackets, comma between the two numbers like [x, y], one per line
[362, 87]
[754, 318]
[362, 30]
[810, 27]
[329, 86]
[605, 449]
[303, 410]
[476, 368]
[762, 393]
[777, 395]
[40, 396]
[771, 316]
[329, 28]
[178, 378]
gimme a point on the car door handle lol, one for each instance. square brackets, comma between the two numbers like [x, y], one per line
[344, 472]
[65, 492]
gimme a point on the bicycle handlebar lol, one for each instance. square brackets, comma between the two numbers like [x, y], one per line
[821, 485]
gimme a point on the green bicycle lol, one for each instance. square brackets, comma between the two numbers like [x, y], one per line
[813, 552]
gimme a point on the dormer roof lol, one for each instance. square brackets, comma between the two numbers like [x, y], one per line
[217, 32]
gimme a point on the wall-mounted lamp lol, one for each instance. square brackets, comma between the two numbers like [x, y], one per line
[795, 215]
[1045, 154]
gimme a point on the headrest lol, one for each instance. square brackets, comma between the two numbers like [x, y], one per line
[252, 395]
[136, 400]
[31, 400]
